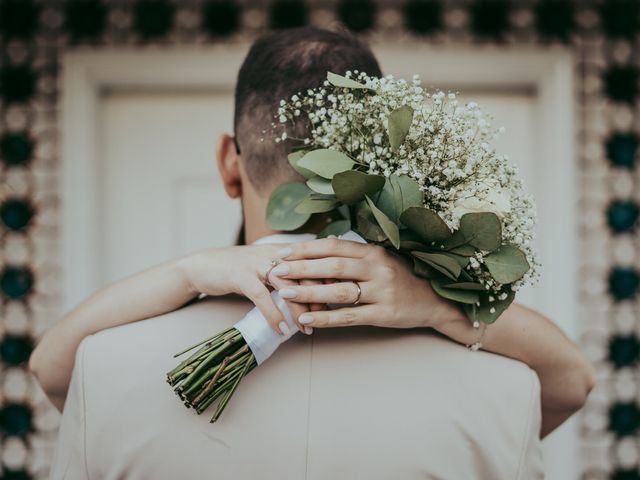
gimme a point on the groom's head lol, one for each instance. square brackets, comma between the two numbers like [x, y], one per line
[278, 65]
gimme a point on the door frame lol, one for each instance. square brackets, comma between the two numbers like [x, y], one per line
[88, 73]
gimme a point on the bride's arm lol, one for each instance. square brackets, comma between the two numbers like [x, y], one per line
[158, 290]
[391, 296]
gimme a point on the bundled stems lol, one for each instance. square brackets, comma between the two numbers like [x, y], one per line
[212, 372]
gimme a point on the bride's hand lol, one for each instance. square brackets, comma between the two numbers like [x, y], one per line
[391, 295]
[242, 270]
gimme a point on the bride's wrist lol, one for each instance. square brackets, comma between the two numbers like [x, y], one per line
[191, 269]
[444, 314]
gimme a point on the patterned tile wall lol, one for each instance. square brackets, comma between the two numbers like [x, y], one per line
[604, 35]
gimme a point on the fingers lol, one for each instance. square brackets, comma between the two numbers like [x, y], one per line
[260, 296]
[343, 317]
[333, 267]
[314, 307]
[325, 247]
[343, 293]
[296, 308]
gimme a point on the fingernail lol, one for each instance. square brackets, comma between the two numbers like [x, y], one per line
[284, 328]
[288, 293]
[331, 236]
[308, 330]
[305, 318]
[280, 270]
[285, 252]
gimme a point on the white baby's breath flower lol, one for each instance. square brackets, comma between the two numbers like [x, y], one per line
[495, 200]
[448, 152]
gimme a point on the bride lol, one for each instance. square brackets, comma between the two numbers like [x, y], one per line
[311, 274]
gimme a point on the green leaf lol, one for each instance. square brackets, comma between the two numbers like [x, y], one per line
[337, 228]
[399, 193]
[422, 270]
[462, 261]
[478, 287]
[483, 313]
[388, 227]
[444, 264]
[293, 158]
[344, 211]
[481, 230]
[316, 205]
[461, 296]
[465, 277]
[281, 214]
[326, 162]
[426, 223]
[367, 224]
[320, 185]
[457, 240]
[412, 245]
[464, 250]
[351, 186]
[507, 264]
[344, 82]
[398, 127]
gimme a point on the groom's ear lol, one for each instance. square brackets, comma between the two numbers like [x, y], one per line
[228, 160]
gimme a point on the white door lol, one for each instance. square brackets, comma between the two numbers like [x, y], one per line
[141, 175]
[161, 194]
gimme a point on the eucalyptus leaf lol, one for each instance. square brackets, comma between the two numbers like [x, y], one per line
[465, 277]
[351, 186]
[388, 227]
[316, 205]
[340, 81]
[464, 250]
[507, 264]
[399, 123]
[423, 270]
[426, 223]
[478, 287]
[337, 228]
[462, 261]
[484, 313]
[344, 211]
[444, 264]
[281, 214]
[482, 230]
[367, 224]
[293, 158]
[456, 241]
[461, 296]
[320, 185]
[326, 162]
[412, 245]
[399, 193]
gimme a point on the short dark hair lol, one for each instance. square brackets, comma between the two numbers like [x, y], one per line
[279, 65]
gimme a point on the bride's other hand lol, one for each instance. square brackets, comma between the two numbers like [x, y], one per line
[393, 297]
[242, 270]
[390, 295]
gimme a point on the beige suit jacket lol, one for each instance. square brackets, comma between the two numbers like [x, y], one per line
[357, 403]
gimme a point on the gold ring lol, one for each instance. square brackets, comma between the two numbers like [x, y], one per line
[359, 292]
[274, 264]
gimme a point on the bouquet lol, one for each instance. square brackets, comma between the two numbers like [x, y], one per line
[403, 168]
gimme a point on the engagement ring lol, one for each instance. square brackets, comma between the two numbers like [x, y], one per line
[274, 264]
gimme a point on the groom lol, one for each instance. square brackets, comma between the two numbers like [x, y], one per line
[341, 404]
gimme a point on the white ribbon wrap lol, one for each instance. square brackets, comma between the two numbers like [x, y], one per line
[256, 331]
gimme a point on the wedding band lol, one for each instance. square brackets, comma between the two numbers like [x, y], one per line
[274, 264]
[359, 292]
